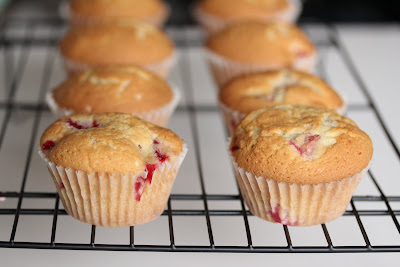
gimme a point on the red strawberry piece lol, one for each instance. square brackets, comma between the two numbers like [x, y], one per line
[48, 145]
[78, 126]
[234, 148]
[301, 53]
[139, 187]
[308, 147]
[161, 157]
[150, 171]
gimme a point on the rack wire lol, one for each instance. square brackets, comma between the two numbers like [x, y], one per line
[38, 108]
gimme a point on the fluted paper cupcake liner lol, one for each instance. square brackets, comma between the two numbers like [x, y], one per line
[162, 68]
[295, 204]
[74, 19]
[212, 24]
[233, 117]
[109, 199]
[225, 69]
[158, 116]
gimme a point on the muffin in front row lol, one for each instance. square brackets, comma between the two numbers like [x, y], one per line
[250, 92]
[255, 46]
[127, 89]
[214, 15]
[112, 169]
[132, 43]
[83, 12]
[299, 166]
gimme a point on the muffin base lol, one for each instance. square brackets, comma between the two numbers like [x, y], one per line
[162, 68]
[158, 116]
[225, 69]
[295, 204]
[108, 199]
[75, 20]
[212, 24]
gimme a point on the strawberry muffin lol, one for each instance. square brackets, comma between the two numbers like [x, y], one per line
[83, 12]
[299, 165]
[127, 89]
[112, 169]
[125, 43]
[214, 15]
[254, 46]
[250, 92]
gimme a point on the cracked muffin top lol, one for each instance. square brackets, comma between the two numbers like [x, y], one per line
[243, 9]
[109, 142]
[117, 43]
[297, 144]
[133, 9]
[282, 87]
[274, 43]
[126, 89]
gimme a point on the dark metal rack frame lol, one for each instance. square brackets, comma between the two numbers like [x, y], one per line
[39, 107]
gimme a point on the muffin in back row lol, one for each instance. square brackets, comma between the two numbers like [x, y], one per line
[255, 46]
[84, 12]
[250, 92]
[129, 42]
[127, 89]
[214, 15]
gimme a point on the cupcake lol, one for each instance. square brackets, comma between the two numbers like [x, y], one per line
[257, 46]
[112, 169]
[132, 43]
[250, 92]
[214, 15]
[298, 165]
[83, 12]
[126, 89]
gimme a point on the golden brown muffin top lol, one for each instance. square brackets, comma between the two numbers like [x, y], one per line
[297, 144]
[261, 43]
[242, 9]
[135, 9]
[108, 142]
[120, 43]
[281, 87]
[127, 89]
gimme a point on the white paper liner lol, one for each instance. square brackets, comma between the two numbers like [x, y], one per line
[233, 117]
[162, 68]
[67, 14]
[158, 116]
[212, 24]
[225, 69]
[292, 203]
[108, 199]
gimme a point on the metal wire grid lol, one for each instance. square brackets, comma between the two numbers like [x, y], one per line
[9, 106]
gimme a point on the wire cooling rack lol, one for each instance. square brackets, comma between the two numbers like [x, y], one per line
[24, 84]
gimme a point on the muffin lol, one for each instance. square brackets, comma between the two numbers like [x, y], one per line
[126, 89]
[250, 92]
[83, 12]
[253, 46]
[214, 15]
[132, 43]
[298, 165]
[112, 169]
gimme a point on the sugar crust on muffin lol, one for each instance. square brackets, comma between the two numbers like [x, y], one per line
[109, 142]
[125, 89]
[250, 92]
[300, 144]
